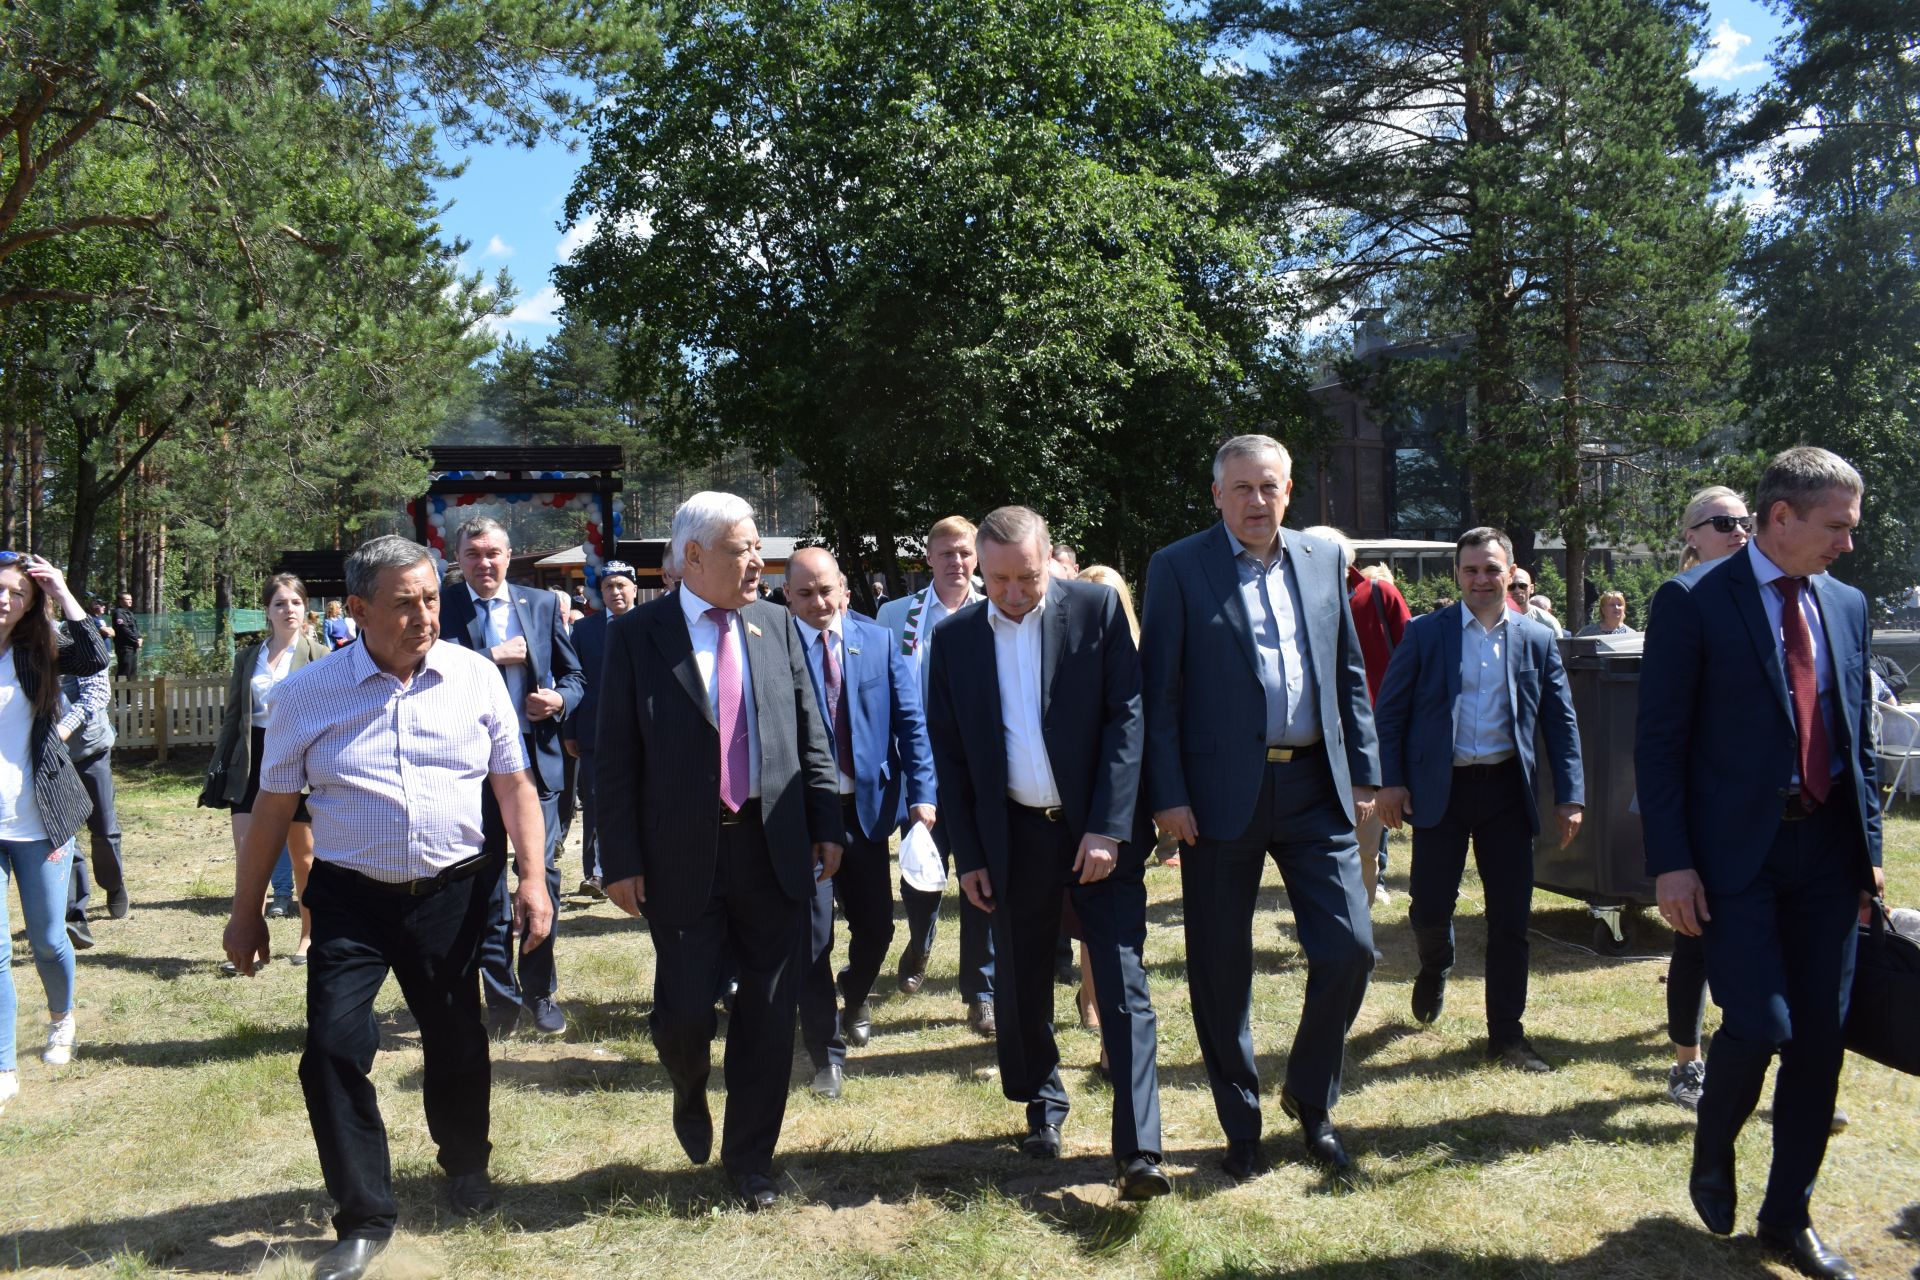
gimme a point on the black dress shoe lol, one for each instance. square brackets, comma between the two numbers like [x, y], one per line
[856, 1025]
[1710, 1185]
[1244, 1159]
[1806, 1251]
[913, 970]
[1042, 1141]
[79, 934]
[756, 1191]
[693, 1123]
[347, 1260]
[119, 906]
[1323, 1141]
[980, 1018]
[1141, 1178]
[827, 1081]
[1429, 995]
[1518, 1054]
[471, 1194]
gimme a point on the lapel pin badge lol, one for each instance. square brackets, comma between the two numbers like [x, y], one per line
[752, 630]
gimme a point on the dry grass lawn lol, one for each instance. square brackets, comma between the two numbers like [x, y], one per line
[177, 1142]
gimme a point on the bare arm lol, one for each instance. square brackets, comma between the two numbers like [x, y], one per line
[246, 941]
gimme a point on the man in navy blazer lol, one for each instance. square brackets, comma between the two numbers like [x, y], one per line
[1758, 795]
[1260, 743]
[869, 694]
[524, 634]
[618, 592]
[1034, 714]
[1467, 696]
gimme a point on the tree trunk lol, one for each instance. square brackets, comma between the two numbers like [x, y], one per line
[33, 481]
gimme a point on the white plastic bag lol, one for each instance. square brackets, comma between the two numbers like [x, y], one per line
[920, 863]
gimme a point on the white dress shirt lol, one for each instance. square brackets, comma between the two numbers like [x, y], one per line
[1767, 573]
[503, 624]
[1483, 713]
[837, 641]
[706, 650]
[1016, 660]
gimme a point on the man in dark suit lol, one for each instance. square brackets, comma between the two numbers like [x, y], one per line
[719, 814]
[617, 594]
[525, 635]
[1754, 755]
[1260, 743]
[869, 693]
[1034, 715]
[1465, 700]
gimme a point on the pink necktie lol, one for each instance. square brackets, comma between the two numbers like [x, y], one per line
[1803, 685]
[733, 713]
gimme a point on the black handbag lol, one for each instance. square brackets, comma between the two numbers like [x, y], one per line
[1883, 1014]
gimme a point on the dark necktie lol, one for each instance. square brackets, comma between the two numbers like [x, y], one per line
[837, 718]
[733, 713]
[1803, 686]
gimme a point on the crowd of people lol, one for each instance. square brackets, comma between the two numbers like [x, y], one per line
[743, 770]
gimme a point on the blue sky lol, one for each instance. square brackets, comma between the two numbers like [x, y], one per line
[508, 203]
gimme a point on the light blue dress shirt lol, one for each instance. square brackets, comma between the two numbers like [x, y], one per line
[1271, 597]
[503, 624]
[1483, 713]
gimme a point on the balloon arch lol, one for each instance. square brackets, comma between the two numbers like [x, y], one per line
[583, 479]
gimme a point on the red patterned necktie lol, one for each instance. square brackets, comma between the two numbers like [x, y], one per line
[837, 718]
[733, 713]
[1816, 778]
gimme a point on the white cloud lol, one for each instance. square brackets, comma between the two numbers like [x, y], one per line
[496, 248]
[542, 309]
[577, 235]
[1721, 61]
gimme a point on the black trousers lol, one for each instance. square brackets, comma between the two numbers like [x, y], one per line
[976, 935]
[534, 977]
[126, 660]
[589, 830]
[1299, 822]
[1780, 956]
[750, 918]
[1113, 924]
[864, 889]
[431, 944]
[1686, 990]
[1489, 807]
[103, 824]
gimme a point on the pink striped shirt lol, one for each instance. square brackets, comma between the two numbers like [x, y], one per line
[396, 771]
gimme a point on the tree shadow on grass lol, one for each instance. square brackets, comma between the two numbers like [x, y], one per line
[211, 905]
[249, 1042]
[164, 968]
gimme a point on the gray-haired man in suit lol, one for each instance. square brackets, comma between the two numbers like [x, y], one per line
[1260, 742]
[721, 811]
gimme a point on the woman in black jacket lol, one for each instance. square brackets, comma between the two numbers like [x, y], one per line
[41, 800]
[233, 779]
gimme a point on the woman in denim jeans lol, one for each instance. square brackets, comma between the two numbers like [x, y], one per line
[42, 801]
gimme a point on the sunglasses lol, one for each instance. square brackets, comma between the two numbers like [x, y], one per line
[1725, 524]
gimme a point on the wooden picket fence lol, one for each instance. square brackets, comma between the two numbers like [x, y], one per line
[163, 712]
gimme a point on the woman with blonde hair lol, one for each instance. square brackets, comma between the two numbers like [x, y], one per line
[233, 777]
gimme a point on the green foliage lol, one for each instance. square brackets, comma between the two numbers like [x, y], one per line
[941, 255]
[1834, 274]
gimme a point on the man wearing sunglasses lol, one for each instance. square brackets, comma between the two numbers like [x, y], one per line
[1767, 852]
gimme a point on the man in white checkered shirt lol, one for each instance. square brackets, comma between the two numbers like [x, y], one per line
[395, 735]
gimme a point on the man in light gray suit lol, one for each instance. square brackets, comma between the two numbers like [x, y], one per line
[1260, 742]
[951, 557]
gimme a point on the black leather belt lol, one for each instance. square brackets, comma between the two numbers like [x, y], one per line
[1287, 755]
[415, 888]
[1052, 813]
[749, 812]
[1483, 772]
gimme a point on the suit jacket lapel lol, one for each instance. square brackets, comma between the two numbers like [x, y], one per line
[676, 646]
[989, 738]
[1450, 642]
[1216, 557]
[1746, 602]
[1515, 642]
[764, 651]
[476, 623]
[523, 611]
[1305, 568]
[1053, 643]
[1837, 644]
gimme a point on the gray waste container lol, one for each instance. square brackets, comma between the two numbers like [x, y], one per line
[1605, 866]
